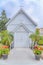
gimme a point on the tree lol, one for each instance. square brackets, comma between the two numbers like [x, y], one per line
[3, 20]
[2, 26]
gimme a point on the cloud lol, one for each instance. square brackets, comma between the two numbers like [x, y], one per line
[34, 8]
[29, 11]
[4, 2]
[10, 6]
[28, 1]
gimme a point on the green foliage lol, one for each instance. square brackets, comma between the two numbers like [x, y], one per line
[32, 36]
[0, 51]
[2, 26]
[36, 37]
[4, 17]
[5, 51]
[3, 20]
[37, 32]
[38, 52]
[40, 42]
[11, 36]
[6, 37]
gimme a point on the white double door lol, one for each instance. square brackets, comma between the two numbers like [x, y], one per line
[21, 39]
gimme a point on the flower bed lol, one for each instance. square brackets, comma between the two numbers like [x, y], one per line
[4, 51]
[37, 51]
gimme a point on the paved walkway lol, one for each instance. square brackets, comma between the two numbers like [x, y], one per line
[21, 56]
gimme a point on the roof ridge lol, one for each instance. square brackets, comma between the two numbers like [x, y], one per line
[21, 10]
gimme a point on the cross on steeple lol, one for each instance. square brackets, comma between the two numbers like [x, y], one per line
[21, 7]
[21, 4]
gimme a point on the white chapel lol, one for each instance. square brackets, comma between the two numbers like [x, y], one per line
[21, 25]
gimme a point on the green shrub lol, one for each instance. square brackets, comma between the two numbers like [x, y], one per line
[5, 51]
[38, 52]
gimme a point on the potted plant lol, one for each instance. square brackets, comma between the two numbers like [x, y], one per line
[35, 37]
[7, 38]
[41, 45]
[37, 51]
[5, 53]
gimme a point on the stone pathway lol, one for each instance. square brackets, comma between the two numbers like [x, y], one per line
[21, 56]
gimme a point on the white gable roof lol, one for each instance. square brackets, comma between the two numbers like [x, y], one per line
[22, 11]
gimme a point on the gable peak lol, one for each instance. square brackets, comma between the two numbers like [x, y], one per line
[21, 10]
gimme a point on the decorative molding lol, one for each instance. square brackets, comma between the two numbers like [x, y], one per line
[21, 25]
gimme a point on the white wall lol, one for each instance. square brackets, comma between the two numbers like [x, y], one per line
[21, 18]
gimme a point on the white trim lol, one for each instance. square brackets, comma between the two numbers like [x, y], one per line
[21, 24]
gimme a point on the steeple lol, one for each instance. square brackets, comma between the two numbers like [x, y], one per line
[21, 4]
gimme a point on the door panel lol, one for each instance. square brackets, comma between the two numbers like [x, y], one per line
[21, 39]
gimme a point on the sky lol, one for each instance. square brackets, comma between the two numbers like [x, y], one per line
[34, 8]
